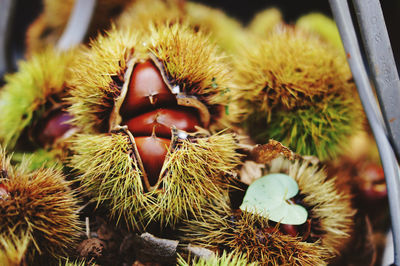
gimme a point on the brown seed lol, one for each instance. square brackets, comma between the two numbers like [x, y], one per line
[146, 90]
[53, 127]
[161, 121]
[152, 151]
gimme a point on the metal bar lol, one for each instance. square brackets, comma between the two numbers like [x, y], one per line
[78, 24]
[6, 11]
[341, 13]
[382, 65]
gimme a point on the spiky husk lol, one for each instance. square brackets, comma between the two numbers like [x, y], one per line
[98, 78]
[26, 92]
[291, 69]
[331, 207]
[218, 229]
[321, 130]
[265, 22]
[13, 249]
[41, 204]
[323, 26]
[194, 171]
[295, 76]
[49, 26]
[189, 61]
[225, 259]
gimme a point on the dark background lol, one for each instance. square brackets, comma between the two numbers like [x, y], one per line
[26, 12]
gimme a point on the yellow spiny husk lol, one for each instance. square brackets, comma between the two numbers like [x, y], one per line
[194, 171]
[98, 75]
[189, 60]
[291, 69]
[41, 204]
[13, 249]
[25, 93]
[218, 228]
[109, 174]
[329, 206]
[265, 22]
[49, 26]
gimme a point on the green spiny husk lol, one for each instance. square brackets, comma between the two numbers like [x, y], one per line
[298, 90]
[40, 204]
[320, 130]
[194, 171]
[23, 97]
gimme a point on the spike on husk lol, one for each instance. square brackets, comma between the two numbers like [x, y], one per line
[13, 249]
[225, 259]
[41, 204]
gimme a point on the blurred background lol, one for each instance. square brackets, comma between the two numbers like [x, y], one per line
[27, 11]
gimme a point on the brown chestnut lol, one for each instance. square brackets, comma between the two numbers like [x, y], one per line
[146, 89]
[53, 127]
[161, 121]
[152, 151]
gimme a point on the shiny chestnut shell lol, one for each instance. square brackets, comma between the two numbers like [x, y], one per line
[150, 110]
[146, 90]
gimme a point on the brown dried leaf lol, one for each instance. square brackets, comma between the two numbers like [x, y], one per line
[273, 149]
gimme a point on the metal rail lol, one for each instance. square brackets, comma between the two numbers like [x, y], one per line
[341, 13]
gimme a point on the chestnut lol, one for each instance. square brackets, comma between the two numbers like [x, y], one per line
[152, 151]
[146, 90]
[53, 127]
[161, 120]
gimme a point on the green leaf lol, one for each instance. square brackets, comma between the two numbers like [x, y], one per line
[268, 197]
